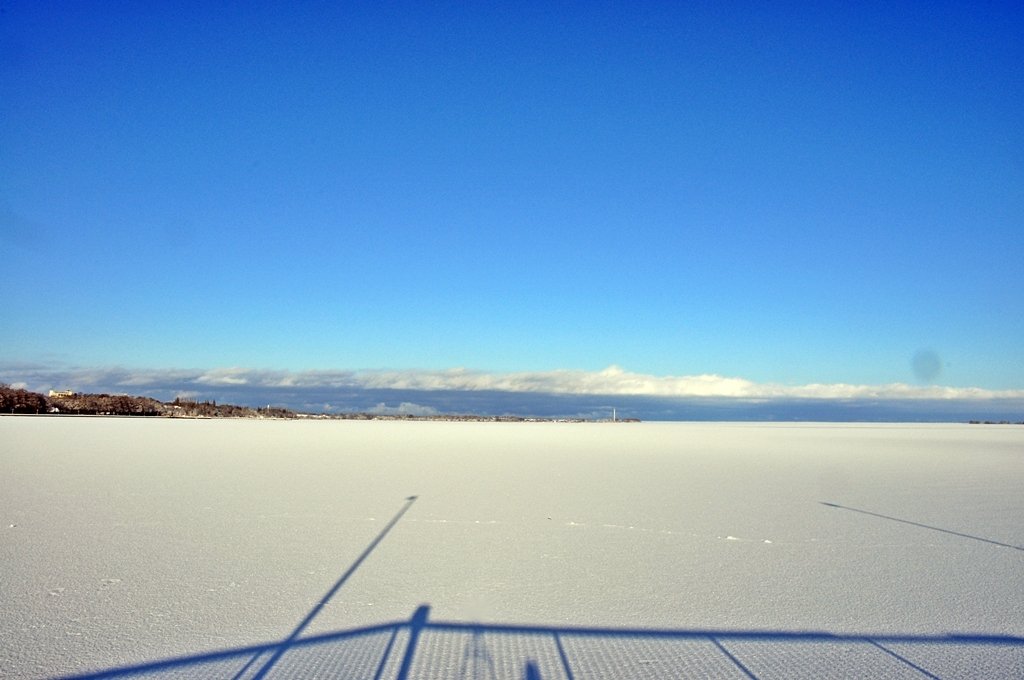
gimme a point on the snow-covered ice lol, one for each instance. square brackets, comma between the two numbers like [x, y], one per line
[536, 550]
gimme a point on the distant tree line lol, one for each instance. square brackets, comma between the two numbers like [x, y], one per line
[106, 404]
[21, 401]
[17, 400]
[211, 409]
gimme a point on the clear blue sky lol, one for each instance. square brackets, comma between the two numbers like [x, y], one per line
[780, 193]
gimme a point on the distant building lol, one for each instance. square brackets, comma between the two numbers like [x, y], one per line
[62, 393]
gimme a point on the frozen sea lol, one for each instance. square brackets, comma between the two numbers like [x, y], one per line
[396, 550]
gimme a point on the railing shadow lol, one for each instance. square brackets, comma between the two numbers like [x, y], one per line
[423, 648]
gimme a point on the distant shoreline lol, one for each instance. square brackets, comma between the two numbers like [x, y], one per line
[355, 416]
[16, 401]
[452, 418]
[21, 401]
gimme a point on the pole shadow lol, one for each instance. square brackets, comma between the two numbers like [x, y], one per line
[923, 526]
[287, 643]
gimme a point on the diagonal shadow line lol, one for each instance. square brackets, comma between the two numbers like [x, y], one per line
[923, 526]
[563, 657]
[736, 662]
[252, 659]
[290, 640]
[387, 654]
[905, 660]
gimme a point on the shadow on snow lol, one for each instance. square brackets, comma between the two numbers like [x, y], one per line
[923, 526]
[423, 648]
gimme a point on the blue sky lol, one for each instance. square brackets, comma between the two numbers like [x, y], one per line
[787, 195]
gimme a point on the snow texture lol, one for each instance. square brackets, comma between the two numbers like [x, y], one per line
[399, 550]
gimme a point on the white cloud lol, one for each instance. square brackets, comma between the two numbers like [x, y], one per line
[404, 409]
[612, 381]
[225, 376]
[616, 381]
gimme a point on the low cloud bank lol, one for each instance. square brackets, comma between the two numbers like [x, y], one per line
[612, 381]
[553, 394]
[403, 409]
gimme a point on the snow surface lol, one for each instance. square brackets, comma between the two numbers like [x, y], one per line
[191, 548]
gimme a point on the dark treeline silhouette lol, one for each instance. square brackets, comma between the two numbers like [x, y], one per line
[18, 400]
[211, 409]
[21, 401]
[105, 404]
